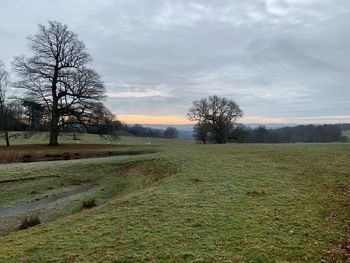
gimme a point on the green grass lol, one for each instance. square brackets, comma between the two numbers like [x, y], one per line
[195, 203]
[110, 177]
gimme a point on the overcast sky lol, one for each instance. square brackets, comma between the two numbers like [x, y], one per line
[284, 61]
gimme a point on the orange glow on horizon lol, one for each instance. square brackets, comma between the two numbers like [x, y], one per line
[145, 119]
[181, 120]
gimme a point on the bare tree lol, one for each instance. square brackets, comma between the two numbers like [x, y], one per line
[4, 111]
[220, 113]
[57, 76]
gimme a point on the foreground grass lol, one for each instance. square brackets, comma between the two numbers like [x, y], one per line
[231, 203]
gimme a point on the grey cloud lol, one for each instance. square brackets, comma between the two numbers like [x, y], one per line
[278, 58]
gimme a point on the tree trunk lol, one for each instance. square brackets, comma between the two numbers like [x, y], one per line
[220, 137]
[54, 110]
[7, 138]
[54, 128]
[220, 141]
[4, 122]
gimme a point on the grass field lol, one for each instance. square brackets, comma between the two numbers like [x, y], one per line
[186, 202]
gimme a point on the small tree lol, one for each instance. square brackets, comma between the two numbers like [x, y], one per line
[57, 76]
[171, 133]
[4, 110]
[220, 113]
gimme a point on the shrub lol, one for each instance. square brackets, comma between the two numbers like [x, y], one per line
[29, 221]
[90, 203]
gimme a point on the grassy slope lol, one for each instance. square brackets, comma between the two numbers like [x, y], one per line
[296, 211]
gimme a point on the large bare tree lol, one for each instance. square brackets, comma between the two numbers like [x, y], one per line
[57, 75]
[4, 111]
[217, 113]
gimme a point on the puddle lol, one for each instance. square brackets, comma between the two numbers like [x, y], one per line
[27, 207]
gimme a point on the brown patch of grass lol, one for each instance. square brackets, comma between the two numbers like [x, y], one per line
[345, 247]
[13, 180]
[346, 189]
[79, 181]
[339, 253]
[35, 153]
[125, 169]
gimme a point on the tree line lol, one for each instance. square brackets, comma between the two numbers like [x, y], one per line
[139, 130]
[301, 133]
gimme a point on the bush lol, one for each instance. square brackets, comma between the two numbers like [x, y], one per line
[90, 203]
[29, 221]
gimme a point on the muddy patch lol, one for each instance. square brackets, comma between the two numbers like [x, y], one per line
[14, 180]
[37, 157]
[79, 182]
[27, 207]
[346, 189]
[125, 169]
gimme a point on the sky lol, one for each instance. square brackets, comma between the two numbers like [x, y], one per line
[282, 61]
